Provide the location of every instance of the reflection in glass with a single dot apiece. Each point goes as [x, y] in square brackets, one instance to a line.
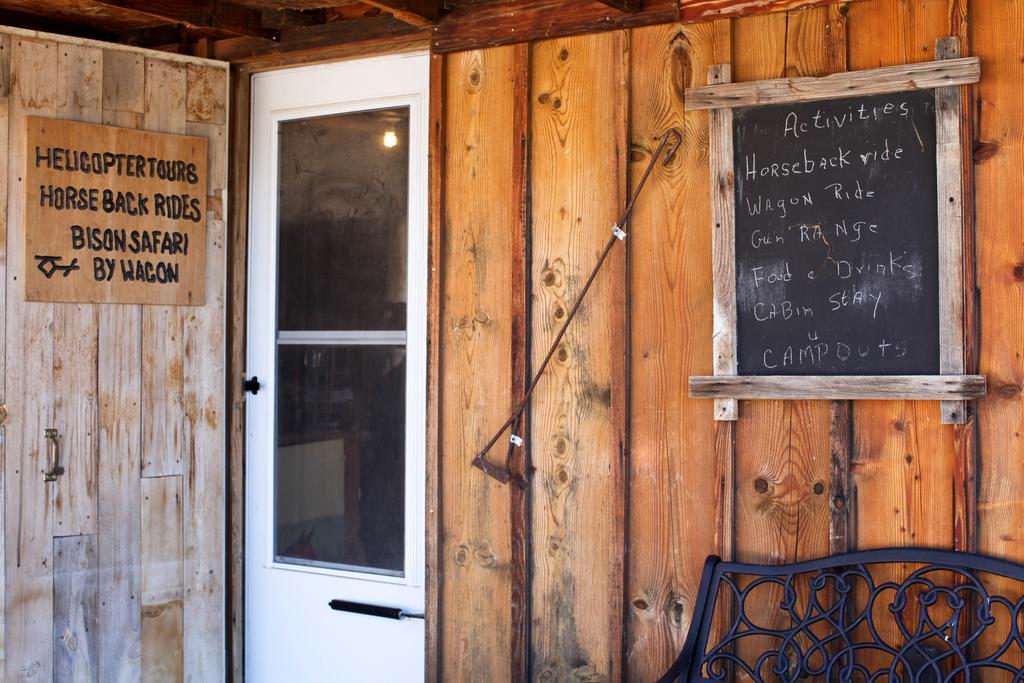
[342, 215]
[341, 456]
[342, 236]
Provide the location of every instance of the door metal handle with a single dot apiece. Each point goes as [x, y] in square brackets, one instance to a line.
[53, 467]
[371, 610]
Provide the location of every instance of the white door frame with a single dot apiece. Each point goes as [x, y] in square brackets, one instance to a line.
[355, 85]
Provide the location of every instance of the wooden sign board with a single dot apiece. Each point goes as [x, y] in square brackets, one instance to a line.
[838, 236]
[113, 215]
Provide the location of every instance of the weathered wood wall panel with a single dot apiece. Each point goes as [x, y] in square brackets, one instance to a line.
[673, 512]
[476, 534]
[29, 528]
[87, 557]
[1000, 265]
[579, 90]
[809, 478]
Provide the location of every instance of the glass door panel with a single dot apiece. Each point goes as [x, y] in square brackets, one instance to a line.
[339, 484]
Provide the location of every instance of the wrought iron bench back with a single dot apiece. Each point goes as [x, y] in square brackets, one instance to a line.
[839, 619]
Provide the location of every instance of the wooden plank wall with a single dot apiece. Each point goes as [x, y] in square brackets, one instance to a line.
[632, 483]
[115, 571]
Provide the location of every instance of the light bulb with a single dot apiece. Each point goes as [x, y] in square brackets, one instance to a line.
[390, 138]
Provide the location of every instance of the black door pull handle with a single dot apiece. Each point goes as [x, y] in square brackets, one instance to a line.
[371, 610]
[251, 385]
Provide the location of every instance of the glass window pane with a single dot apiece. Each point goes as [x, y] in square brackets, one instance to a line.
[342, 221]
[340, 460]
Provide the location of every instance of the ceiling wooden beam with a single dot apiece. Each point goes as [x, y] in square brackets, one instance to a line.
[627, 6]
[321, 38]
[196, 14]
[707, 10]
[35, 22]
[418, 13]
[478, 25]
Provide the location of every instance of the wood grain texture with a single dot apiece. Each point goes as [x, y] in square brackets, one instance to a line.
[118, 493]
[947, 73]
[478, 207]
[75, 595]
[578, 428]
[671, 506]
[4, 112]
[120, 436]
[163, 380]
[519, 460]
[236, 274]
[435, 338]
[73, 601]
[1000, 271]
[868, 387]
[204, 491]
[471, 26]
[76, 329]
[29, 513]
[949, 190]
[162, 581]
[723, 243]
[700, 10]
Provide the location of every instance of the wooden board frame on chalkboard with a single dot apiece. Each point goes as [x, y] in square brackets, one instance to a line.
[946, 76]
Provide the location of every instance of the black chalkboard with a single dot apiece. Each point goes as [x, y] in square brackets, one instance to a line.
[836, 237]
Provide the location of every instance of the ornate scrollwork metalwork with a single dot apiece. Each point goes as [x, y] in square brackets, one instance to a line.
[903, 615]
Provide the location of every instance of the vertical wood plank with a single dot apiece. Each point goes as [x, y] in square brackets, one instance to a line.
[204, 353]
[164, 422]
[841, 443]
[79, 92]
[723, 242]
[120, 427]
[119, 493]
[578, 428]
[435, 337]
[476, 324]
[949, 177]
[519, 496]
[4, 116]
[162, 581]
[28, 518]
[75, 624]
[673, 502]
[1000, 268]
[237, 254]
[120, 422]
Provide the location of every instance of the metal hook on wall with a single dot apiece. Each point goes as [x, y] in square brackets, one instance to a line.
[671, 140]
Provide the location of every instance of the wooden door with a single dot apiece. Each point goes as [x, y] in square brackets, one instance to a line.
[337, 317]
[115, 571]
